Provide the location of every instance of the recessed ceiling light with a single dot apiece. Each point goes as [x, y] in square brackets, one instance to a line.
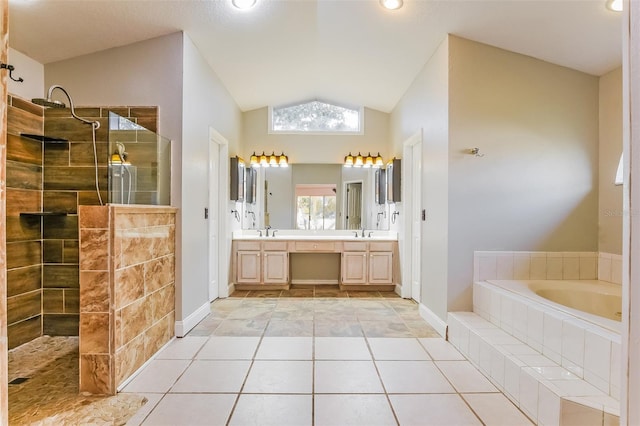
[243, 4]
[615, 5]
[391, 4]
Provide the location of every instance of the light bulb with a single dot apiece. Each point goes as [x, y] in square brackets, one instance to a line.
[391, 4]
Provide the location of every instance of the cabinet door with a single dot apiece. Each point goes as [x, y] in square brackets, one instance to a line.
[354, 267]
[275, 267]
[248, 267]
[380, 267]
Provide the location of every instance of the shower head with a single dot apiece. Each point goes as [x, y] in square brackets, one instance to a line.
[48, 103]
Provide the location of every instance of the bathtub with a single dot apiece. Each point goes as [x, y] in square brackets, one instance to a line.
[597, 302]
[575, 323]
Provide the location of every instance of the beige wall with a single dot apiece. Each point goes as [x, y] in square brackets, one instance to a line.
[206, 104]
[315, 148]
[536, 188]
[425, 106]
[610, 148]
[169, 72]
[31, 71]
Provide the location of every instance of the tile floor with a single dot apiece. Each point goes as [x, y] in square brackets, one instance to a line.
[338, 360]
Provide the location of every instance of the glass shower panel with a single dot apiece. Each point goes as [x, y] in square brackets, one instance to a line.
[139, 164]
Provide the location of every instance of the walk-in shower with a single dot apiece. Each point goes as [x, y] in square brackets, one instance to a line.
[49, 102]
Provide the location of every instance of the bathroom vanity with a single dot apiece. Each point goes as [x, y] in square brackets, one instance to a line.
[362, 263]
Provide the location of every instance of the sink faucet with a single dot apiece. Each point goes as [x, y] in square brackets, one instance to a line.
[273, 233]
[362, 232]
[355, 233]
[266, 228]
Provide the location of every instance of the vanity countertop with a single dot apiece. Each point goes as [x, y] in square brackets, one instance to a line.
[303, 235]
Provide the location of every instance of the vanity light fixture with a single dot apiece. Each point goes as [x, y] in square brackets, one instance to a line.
[614, 5]
[368, 161]
[283, 160]
[243, 4]
[377, 162]
[348, 160]
[273, 160]
[391, 4]
[359, 161]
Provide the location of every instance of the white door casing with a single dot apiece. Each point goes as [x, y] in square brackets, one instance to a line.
[218, 193]
[412, 199]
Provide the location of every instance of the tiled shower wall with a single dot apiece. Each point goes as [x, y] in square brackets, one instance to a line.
[69, 181]
[24, 239]
[127, 287]
[42, 253]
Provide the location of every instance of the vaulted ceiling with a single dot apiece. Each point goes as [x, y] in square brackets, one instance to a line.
[349, 51]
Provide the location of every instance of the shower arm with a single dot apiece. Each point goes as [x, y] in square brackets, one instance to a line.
[72, 108]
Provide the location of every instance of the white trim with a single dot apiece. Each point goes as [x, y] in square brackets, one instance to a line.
[232, 288]
[398, 290]
[143, 366]
[183, 327]
[409, 205]
[433, 320]
[224, 235]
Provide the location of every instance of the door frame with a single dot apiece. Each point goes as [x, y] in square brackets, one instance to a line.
[411, 185]
[219, 186]
[345, 202]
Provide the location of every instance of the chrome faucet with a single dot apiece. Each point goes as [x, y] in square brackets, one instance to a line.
[266, 228]
[362, 232]
[355, 234]
[273, 233]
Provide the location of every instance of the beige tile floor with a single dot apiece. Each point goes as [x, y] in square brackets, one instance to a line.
[339, 360]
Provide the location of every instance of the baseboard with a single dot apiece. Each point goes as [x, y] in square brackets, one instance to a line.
[398, 290]
[433, 320]
[230, 290]
[183, 327]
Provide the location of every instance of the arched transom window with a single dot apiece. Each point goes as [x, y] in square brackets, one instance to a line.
[315, 117]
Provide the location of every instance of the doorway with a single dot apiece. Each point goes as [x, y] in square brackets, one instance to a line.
[353, 205]
[218, 184]
[412, 197]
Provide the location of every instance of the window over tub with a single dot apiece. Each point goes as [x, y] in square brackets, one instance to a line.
[316, 117]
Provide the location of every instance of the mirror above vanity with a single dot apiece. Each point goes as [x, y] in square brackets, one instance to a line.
[315, 197]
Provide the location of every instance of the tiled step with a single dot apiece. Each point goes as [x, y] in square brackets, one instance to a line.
[547, 392]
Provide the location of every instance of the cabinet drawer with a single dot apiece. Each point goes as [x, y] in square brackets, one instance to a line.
[355, 246]
[248, 245]
[381, 246]
[315, 246]
[274, 246]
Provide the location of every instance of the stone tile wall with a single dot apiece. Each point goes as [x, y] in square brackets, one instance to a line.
[127, 291]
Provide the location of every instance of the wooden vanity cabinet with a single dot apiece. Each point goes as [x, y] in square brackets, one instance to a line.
[262, 262]
[367, 263]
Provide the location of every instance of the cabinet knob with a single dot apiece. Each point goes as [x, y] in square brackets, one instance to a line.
[315, 246]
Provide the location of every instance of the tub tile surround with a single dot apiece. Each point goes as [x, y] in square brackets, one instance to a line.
[127, 291]
[559, 369]
[539, 265]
